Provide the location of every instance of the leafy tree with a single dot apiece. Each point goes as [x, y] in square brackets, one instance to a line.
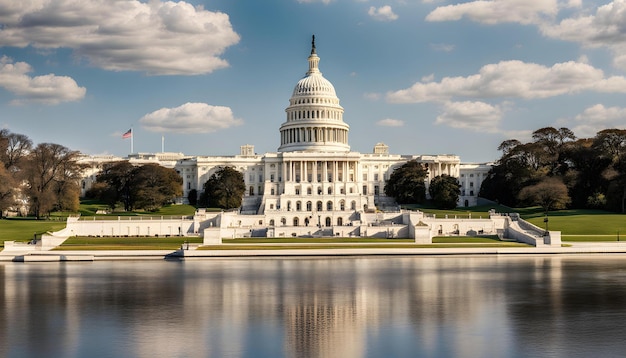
[193, 197]
[225, 189]
[550, 194]
[406, 183]
[117, 178]
[444, 191]
[147, 187]
[155, 186]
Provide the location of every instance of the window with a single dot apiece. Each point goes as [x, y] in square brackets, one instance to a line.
[330, 190]
[298, 191]
[329, 206]
[376, 190]
[298, 206]
[364, 189]
[309, 191]
[272, 178]
[353, 205]
[309, 206]
[319, 206]
[339, 221]
[251, 190]
[342, 205]
[289, 206]
[295, 221]
[376, 177]
[272, 191]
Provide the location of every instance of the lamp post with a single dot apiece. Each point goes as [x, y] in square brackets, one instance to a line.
[545, 220]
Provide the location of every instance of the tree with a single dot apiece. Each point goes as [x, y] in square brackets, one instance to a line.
[444, 191]
[154, 186]
[406, 183]
[225, 189]
[550, 194]
[7, 190]
[117, 178]
[193, 197]
[147, 187]
[48, 169]
[14, 148]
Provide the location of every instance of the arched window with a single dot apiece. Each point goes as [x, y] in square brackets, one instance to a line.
[283, 221]
[339, 221]
[319, 206]
[298, 206]
[330, 190]
[328, 222]
[353, 205]
[342, 205]
[272, 222]
[306, 221]
[319, 190]
[289, 206]
[309, 191]
[251, 190]
[309, 206]
[329, 206]
[295, 221]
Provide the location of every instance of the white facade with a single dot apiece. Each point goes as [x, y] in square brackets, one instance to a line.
[314, 177]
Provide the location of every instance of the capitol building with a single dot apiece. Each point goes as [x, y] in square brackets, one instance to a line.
[313, 179]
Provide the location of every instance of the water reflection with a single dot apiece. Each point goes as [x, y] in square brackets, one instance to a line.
[345, 307]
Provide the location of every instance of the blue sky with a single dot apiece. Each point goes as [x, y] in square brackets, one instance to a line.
[422, 76]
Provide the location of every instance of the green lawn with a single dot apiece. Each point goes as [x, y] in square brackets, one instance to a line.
[23, 229]
[127, 243]
[583, 222]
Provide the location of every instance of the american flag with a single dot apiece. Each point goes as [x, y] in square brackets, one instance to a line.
[128, 134]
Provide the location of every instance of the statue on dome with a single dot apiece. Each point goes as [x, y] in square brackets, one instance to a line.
[313, 45]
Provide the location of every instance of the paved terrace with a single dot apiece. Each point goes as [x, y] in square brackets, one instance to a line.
[291, 250]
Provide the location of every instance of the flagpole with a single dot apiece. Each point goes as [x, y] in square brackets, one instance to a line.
[162, 144]
[132, 139]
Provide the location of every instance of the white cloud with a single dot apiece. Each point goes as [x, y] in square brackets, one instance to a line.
[160, 38]
[605, 28]
[383, 13]
[389, 122]
[48, 89]
[428, 78]
[190, 118]
[514, 79]
[475, 116]
[598, 117]
[501, 11]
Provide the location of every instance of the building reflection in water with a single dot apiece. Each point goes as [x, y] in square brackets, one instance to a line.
[344, 307]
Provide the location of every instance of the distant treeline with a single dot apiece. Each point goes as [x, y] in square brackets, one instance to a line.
[558, 170]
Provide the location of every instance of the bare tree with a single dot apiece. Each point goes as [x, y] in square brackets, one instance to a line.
[50, 168]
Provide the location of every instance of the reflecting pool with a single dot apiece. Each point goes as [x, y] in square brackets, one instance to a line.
[549, 306]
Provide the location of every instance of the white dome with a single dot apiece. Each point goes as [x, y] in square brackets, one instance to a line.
[314, 116]
[314, 85]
